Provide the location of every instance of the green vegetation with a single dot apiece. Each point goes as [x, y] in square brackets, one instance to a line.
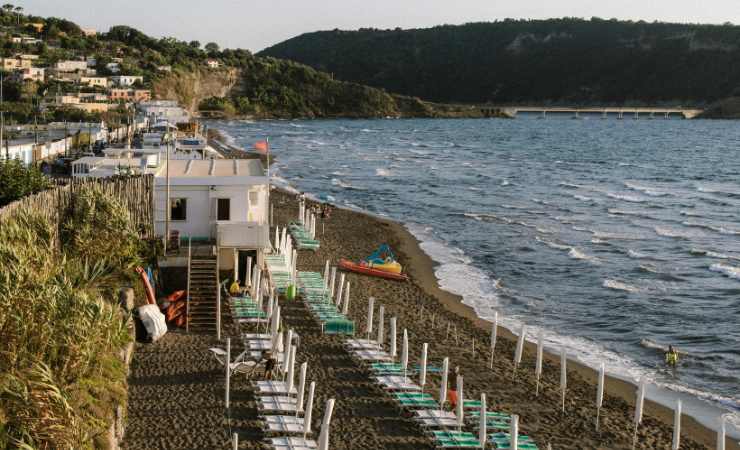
[567, 60]
[18, 181]
[60, 374]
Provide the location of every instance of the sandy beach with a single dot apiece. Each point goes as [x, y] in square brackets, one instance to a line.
[176, 386]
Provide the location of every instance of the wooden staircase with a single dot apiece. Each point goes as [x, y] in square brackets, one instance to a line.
[203, 294]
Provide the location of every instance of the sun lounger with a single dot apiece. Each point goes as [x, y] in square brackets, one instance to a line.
[455, 439]
[371, 355]
[434, 413]
[415, 400]
[437, 422]
[277, 404]
[284, 424]
[362, 344]
[293, 443]
[259, 344]
[274, 388]
[502, 440]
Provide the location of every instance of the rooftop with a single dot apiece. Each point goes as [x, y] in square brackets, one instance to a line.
[213, 172]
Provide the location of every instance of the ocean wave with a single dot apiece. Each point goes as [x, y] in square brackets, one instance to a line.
[573, 252]
[625, 197]
[570, 185]
[619, 286]
[577, 254]
[689, 213]
[646, 189]
[706, 226]
[672, 233]
[616, 236]
[635, 254]
[719, 189]
[382, 172]
[583, 198]
[730, 271]
[623, 212]
[484, 217]
[505, 183]
[345, 185]
[712, 254]
[507, 206]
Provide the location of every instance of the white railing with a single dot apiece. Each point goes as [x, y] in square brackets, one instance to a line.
[218, 297]
[187, 301]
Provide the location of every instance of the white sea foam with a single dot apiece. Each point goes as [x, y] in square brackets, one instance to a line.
[570, 185]
[730, 271]
[712, 254]
[635, 254]
[573, 252]
[620, 286]
[483, 217]
[625, 197]
[382, 172]
[505, 183]
[653, 192]
[672, 233]
[582, 198]
[456, 275]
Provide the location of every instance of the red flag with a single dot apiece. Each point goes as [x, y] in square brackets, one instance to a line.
[261, 147]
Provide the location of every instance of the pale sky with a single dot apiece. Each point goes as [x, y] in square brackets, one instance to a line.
[255, 24]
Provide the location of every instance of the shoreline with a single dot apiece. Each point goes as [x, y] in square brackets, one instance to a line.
[421, 267]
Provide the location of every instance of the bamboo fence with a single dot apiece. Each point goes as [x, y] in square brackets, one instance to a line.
[136, 194]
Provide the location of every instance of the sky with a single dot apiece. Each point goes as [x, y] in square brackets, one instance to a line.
[255, 25]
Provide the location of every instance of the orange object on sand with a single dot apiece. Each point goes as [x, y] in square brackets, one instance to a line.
[452, 397]
[150, 298]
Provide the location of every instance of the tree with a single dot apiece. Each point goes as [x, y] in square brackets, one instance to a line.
[17, 181]
[194, 44]
[212, 47]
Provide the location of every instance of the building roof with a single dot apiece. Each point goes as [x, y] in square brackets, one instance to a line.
[213, 172]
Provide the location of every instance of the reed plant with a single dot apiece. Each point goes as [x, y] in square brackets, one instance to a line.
[60, 327]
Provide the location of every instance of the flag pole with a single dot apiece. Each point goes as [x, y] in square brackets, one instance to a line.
[269, 187]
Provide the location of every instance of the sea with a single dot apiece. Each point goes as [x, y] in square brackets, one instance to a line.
[613, 238]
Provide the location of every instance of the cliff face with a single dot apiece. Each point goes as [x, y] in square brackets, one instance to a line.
[191, 87]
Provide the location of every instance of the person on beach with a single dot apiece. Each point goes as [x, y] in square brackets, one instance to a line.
[234, 289]
[269, 365]
[452, 393]
[671, 356]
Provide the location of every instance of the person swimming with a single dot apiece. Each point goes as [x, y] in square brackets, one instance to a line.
[671, 356]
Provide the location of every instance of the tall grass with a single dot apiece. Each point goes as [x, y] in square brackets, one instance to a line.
[60, 328]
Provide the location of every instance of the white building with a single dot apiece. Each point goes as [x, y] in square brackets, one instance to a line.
[104, 167]
[126, 80]
[163, 111]
[218, 200]
[70, 66]
[113, 67]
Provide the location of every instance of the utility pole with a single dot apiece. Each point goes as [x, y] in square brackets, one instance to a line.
[2, 117]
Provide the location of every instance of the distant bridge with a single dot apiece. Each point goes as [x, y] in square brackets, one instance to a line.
[604, 111]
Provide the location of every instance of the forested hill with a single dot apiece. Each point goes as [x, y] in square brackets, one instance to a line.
[518, 61]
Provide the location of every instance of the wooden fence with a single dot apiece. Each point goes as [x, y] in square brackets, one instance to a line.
[135, 193]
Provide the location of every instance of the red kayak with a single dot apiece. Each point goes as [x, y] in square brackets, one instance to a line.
[359, 268]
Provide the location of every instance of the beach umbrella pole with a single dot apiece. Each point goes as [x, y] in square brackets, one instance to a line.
[494, 335]
[677, 426]
[234, 441]
[228, 369]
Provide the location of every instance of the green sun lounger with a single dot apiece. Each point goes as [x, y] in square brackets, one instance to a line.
[502, 440]
[456, 439]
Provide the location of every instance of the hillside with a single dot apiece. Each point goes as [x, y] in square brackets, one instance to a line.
[518, 61]
[267, 88]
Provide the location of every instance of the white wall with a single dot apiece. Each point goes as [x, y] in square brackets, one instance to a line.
[201, 207]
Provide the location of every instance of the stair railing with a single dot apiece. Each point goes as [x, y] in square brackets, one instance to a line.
[218, 297]
[187, 301]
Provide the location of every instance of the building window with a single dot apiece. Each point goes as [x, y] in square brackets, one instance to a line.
[224, 209]
[178, 209]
